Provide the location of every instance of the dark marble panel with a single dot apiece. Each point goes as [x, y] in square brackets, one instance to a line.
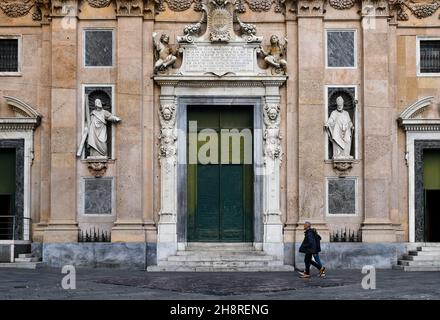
[99, 48]
[342, 196]
[340, 48]
[98, 196]
[419, 147]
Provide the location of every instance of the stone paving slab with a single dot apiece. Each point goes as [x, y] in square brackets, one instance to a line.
[45, 283]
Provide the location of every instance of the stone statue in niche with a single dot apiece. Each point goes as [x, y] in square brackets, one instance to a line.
[163, 53]
[272, 136]
[275, 54]
[96, 131]
[340, 131]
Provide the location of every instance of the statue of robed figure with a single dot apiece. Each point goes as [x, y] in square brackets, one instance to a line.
[340, 131]
[95, 132]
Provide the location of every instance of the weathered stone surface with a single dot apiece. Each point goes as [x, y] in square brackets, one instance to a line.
[98, 196]
[113, 255]
[98, 48]
[341, 196]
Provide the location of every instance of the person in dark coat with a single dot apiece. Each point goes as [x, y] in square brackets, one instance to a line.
[311, 246]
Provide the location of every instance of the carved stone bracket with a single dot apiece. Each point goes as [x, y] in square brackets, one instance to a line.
[130, 7]
[311, 8]
[97, 167]
[272, 136]
[168, 134]
[342, 167]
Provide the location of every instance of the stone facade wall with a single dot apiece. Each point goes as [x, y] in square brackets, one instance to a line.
[53, 76]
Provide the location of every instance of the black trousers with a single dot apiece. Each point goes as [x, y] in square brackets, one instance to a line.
[308, 261]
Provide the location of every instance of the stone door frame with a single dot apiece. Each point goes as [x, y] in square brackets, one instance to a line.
[18, 132]
[420, 134]
[257, 135]
[181, 91]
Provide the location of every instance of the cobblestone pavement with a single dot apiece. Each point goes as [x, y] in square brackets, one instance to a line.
[124, 284]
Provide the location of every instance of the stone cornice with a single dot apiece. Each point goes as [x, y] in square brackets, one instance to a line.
[210, 81]
[18, 124]
[400, 9]
[421, 125]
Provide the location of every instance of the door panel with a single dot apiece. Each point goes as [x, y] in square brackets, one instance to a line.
[220, 195]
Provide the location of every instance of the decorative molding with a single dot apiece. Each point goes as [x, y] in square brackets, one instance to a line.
[16, 9]
[419, 10]
[99, 3]
[408, 121]
[272, 135]
[311, 8]
[22, 108]
[342, 167]
[416, 108]
[130, 7]
[26, 117]
[342, 4]
[98, 168]
[253, 5]
[168, 134]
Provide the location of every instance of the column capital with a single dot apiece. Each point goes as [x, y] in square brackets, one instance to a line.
[310, 8]
[64, 8]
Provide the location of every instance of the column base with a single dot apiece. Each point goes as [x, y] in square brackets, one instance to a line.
[128, 232]
[378, 232]
[59, 232]
[166, 240]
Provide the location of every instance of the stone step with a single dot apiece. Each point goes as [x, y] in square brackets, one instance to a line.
[423, 253]
[220, 252]
[25, 255]
[429, 249]
[221, 257]
[31, 259]
[421, 257]
[430, 244]
[22, 265]
[421, 268]
[419, 263]
[226, 264]
[179, 268]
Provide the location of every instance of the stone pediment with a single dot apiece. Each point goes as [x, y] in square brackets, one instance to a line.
[422, 115]
[26, 117]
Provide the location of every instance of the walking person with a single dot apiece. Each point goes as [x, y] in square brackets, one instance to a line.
[311, 246]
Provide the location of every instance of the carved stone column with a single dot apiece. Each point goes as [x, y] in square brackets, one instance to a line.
[62, 225]
[272, 155]
[167, 227]
[377, 226]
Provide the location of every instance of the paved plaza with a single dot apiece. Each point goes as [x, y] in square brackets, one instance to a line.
[46, 283]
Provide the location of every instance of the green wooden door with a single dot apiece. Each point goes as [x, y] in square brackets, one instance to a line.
[220, 177]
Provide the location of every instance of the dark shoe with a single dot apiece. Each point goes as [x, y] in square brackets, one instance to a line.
[322, 272]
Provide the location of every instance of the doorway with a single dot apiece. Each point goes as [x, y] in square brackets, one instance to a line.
[220, 190]
[7, 192]
[431, 185]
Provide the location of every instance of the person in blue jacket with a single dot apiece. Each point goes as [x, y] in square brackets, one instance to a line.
[311, 246]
